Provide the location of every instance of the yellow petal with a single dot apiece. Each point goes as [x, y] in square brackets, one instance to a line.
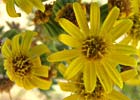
[10, 75]
[25, 5]
[94, 18]
[124, 49]
[81, 18]
[26, 41]
[38, 4]
[129, 74]
[89, 77]
[38, 50]
[7, 64]
[112, 62]
[71, 29]
[74, 67]
[70, 87]
[122, 27]
[70, 41]
[40, 71]
[6, 52]
[124, 60]
[75, 97]
[15, 45]
[27, 84]
[109, 21]
[40, 83]
[135, 42]
[10, 70]
[11, 9]
[114, 95]
[62, 68]
[113, 73]
[36, 61]
[133, 81]
[19, 81]
[126, 40]
[63, 55]
[104, 78]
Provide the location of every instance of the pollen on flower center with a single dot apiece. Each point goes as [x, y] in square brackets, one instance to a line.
[94, 47]
[135, 30]
[98, 93]
[123, 5]
[120, 4]
[21, 65]
[68, 13]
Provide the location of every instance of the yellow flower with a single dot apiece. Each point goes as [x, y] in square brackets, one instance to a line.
[127, 7]
[25, 5]
[133, 36]
[22, 63]
[94, 51]
[77, 88]
[139, 3]
[97, 94]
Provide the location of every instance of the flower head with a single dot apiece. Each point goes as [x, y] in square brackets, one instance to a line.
[94, 51]
[22, 63]
[127, 7]
[133, 35]
[77, 88]
[25, 5]
[66, 12]
[43, 17]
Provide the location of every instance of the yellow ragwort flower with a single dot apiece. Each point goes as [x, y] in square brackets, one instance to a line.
[77, 88]
[133, 35]
[23, 64]
[93, 48]
[127, 7]
[25, 5]
[97, 94]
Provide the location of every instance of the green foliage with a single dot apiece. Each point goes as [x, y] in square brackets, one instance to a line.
[53, 29]
[10, 33]
[132, 92]
[61, 3]
[2, 71]
[104, 12]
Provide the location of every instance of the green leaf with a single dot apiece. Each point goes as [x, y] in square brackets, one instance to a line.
[9, 34]
[104, 12]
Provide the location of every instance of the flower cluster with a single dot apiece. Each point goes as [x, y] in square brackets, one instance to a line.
[94, 56]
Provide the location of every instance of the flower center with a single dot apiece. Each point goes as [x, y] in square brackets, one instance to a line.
[123, 5]
[120, 4]
[68, 13]
[21, 65]
[43, 17]
[135, 30]
[94, 47]
[98, 93]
